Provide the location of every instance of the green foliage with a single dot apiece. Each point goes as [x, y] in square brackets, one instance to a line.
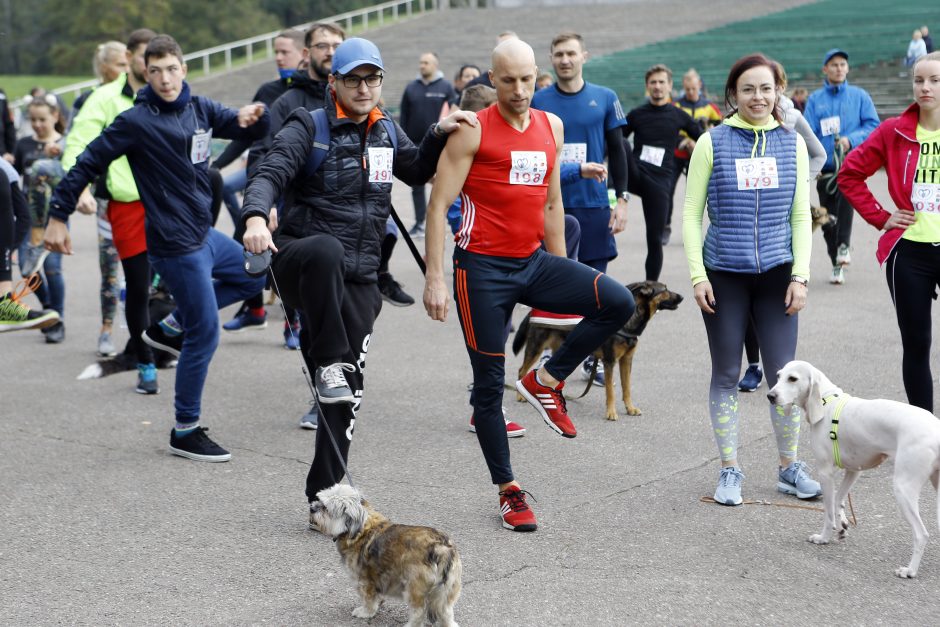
[17, 86]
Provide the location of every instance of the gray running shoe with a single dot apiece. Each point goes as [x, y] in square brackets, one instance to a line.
[331, 384]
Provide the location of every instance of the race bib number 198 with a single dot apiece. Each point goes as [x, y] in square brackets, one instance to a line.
[528, 167]
[380, 165]
[759, 173]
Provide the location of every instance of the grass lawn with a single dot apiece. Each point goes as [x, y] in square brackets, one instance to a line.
[18, 85]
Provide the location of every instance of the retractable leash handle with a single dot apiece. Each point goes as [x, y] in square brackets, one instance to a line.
[261, 263]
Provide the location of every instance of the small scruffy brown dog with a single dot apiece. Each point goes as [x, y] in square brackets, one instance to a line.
[419, 565]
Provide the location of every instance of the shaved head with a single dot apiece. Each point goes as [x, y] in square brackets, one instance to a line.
[513, 75]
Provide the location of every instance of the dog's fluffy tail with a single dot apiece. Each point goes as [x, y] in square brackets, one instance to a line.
[105, 367]
[518, 341]
[443, 596]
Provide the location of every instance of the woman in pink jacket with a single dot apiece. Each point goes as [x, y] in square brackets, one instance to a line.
[908, 147]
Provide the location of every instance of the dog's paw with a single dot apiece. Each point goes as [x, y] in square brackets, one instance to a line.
[612, 416]
[818, 538]
[94, 371]
[905, 572]
[363, 612]
[633, 410]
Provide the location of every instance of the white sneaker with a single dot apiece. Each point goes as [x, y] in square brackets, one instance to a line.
[838, 276]
[843, 256]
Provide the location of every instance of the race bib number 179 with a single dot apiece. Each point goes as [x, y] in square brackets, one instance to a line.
[528, 167]
[759, 173]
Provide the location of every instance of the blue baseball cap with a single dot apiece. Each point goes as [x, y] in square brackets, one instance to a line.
[355, 52]
[835, 52]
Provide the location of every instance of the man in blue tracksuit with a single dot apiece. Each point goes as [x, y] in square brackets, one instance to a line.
[166, 138]
[842, 116]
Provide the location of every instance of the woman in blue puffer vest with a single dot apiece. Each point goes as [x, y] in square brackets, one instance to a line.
[753, 176]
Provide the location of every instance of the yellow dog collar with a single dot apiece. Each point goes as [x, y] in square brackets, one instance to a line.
[841, 400]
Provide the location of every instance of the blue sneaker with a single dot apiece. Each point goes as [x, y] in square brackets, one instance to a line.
[292, 336]
[751, 379]
[147, 379]
[586, 371]
[728, 491]
[795, 480]
[244, 321]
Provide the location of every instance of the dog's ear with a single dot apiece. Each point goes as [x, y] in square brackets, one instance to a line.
[356, 518]
[814, 403]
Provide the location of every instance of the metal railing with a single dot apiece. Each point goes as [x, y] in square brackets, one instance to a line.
[353, 21]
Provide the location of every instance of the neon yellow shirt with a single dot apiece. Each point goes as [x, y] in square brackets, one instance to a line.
[925, 194]
[696, 195]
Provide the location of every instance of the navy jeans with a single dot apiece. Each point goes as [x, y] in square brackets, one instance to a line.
[51, 292]
[202, 282]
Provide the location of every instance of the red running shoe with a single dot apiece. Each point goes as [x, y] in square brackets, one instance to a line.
[515, 511]
[549, 402]
[513, 430]
[547, 318]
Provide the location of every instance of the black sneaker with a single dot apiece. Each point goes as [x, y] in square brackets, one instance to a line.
[156, 337]
[332, 386]
[197, 445]
[392, 292]
[55, 334]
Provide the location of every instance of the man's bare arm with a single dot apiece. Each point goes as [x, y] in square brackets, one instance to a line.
[554, 207]
[452, 170]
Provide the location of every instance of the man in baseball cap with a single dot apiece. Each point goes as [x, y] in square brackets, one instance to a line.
[835, 52]
[354, 53]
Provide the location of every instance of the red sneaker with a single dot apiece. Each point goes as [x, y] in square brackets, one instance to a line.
[549, 402]
[540, 316]
[515, 511]
[513, 430]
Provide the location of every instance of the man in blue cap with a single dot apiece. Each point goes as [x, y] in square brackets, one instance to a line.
[842, 116]
[328, 244]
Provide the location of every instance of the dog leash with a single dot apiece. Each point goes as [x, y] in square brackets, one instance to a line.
[411, 245]
[708, 499]
[313, 392]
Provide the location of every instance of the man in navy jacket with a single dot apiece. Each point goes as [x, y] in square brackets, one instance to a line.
[166, 138]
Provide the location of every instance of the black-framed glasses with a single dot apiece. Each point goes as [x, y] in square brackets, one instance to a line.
[352, 81]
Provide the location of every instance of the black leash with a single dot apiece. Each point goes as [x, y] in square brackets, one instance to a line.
[313, 392]
[409, 241]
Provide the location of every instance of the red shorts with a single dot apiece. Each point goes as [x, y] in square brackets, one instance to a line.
[127, 227]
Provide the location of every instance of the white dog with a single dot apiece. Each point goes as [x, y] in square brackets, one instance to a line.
[863, 434]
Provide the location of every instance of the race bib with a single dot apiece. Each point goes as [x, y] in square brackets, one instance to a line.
[574, 153]
[653, 155]
[528, 167]
[926, 197]
[759, 173]
[380, 164]
[200, 149]
[830, 126]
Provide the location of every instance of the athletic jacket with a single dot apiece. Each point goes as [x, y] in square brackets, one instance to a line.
[167, 146]
[893, 146]
[338, 199]
[854, 108]
[421, 104]
[303, 92]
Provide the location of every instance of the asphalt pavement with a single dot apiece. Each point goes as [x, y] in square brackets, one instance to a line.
[99, 524]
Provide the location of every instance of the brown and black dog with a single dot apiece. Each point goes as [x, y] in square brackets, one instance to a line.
[650, 297]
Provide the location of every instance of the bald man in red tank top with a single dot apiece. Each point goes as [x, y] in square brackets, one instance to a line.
[505, 171]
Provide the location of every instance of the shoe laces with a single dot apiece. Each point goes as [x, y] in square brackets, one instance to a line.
[516, 499]
[11, 307]
[731, 477]
[333, 376]
[798, 470]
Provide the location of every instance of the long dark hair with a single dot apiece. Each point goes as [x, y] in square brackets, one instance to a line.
[741, 66]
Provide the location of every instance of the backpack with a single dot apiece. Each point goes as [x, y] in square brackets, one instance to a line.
[321, 140]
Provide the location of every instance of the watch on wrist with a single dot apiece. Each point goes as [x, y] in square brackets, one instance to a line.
[625, 196]
[437, 130]
[800, 280]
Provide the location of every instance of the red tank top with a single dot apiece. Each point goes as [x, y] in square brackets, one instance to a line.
[503, 199]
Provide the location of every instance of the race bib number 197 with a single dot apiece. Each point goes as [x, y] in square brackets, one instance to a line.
[528, 167]
[380, 165]
[759, 173]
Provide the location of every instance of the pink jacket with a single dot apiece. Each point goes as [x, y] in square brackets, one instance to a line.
[894, 146]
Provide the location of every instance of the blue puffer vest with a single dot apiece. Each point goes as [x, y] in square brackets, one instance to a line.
[749, 231]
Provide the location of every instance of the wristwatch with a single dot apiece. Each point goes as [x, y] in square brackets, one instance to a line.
[800, 280]
[437, 130]
[625, 196]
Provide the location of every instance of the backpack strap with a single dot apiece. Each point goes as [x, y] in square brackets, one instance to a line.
[321, 141]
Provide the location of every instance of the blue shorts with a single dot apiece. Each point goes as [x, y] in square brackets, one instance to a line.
[597, 241]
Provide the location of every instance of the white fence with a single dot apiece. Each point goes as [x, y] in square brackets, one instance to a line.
[219, 58]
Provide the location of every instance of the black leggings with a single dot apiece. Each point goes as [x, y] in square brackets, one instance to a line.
[338, 320]
[137, 304]
[655, 191]
[839, 232]
[913, 273]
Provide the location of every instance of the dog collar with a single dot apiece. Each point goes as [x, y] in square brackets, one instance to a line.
[840, 401]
